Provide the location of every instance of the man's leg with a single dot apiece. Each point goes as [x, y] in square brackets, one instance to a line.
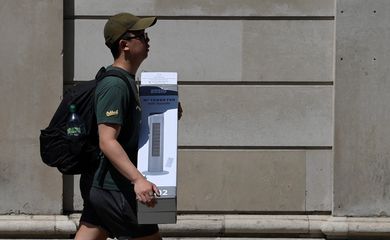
[88, 231]
[155, 236]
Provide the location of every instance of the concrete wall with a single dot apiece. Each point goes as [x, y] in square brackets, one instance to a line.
[256, 84]
[30, 87]
[362, 136]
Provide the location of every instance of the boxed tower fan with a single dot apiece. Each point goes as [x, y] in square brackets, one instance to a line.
[157, 151]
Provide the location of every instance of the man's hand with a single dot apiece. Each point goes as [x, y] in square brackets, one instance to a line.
[179, 111]
[146, 192]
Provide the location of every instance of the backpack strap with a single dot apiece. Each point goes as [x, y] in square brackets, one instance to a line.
[116, 73]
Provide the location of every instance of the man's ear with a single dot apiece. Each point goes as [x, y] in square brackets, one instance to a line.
[123, 44]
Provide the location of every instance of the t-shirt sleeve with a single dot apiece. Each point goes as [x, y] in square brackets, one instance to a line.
[111, 104]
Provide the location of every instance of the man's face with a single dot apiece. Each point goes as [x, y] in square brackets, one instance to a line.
[138, 43]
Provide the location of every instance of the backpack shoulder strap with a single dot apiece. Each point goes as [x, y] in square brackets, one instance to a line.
[115, 73]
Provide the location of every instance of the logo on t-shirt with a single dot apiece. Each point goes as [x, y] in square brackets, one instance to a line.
[112, 113]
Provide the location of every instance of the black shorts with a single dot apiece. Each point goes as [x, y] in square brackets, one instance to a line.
[118, 214]
[89, 214]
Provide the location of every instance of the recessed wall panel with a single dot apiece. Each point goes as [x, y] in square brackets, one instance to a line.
[256, 116]
[223, 180]
[288, 51]
[219, 51]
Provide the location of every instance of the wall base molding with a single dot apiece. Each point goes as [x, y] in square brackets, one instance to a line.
[215, 226]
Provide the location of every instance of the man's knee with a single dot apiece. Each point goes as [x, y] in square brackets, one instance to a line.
[88, 231]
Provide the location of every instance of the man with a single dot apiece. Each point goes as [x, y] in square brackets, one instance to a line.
[110, 208]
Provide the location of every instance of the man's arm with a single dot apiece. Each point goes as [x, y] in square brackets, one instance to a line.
[108, 134]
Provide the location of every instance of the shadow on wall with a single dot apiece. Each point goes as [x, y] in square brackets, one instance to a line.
[68, 76]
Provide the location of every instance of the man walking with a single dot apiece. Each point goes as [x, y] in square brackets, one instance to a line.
[110, 205]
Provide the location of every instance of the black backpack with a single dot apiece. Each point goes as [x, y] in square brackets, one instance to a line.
[81, 156]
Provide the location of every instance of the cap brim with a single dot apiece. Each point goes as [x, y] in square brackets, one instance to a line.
[144, 23]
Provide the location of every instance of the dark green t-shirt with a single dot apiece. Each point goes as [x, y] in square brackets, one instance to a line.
[115, 104]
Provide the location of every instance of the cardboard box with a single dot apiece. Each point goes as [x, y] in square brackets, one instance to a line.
[157, 151]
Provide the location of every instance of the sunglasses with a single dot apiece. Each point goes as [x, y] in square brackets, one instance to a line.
[141, 36]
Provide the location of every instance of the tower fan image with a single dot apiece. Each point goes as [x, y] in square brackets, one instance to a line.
[156, 145]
